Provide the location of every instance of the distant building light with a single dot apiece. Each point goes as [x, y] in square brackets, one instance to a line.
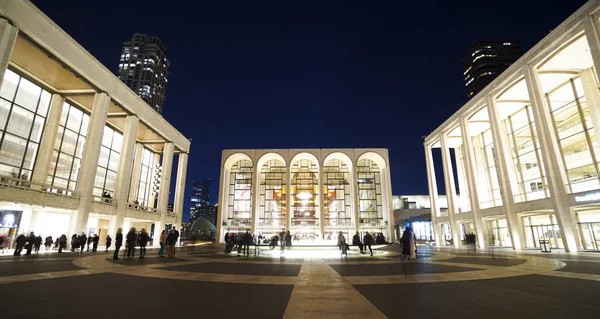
[506, 43]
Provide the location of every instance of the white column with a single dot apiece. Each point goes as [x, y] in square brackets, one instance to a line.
[254, 200]
[355, 203]
[551, 153]
[433, 196]
[8, 36]
[136, 171]
[463, 195]
[502, 149]
[165, 185]
[469, 159]
[222, 208]
[124, 173]
[44, 155]
[89, 163]
[320, 202]
[180, 188]
[288, 202]
[450, 190]
[592, 95]
[593, 39]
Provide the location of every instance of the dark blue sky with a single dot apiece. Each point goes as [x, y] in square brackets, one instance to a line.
[258, 74]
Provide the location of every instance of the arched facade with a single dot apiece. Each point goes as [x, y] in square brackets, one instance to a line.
[313, 193]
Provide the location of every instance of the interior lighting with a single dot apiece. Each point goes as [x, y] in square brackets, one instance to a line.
[304, 196]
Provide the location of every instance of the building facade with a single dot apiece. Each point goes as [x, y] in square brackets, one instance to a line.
[78, 148]
[526, 149]
[144, 68]
[313, 193]
[200, 197]
[415, 211]
[485, 60]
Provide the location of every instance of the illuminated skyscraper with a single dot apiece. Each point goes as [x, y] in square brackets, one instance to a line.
[144, 68]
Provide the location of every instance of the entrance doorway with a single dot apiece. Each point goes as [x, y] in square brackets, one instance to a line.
[546, 232]
[591, 235]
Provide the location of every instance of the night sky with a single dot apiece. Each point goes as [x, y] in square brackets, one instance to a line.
[326, 74]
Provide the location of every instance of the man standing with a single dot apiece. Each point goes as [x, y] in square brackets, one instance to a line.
[108, 242]
[368, 241]
[95, 241]
[21, 240]
[144, 238]
[356, 242]
[118, 243]
[30, 242]
[131, 237]
[82, 240]
[172, 241]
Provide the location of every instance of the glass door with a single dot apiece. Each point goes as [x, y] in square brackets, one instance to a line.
[591, 235]
[550, 233]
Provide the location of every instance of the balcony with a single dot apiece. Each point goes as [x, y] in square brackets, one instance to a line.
[25, 185]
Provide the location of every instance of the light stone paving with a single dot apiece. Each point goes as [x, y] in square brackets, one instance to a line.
[318, 289]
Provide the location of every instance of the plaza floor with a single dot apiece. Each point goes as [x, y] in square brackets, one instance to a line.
[205, 282]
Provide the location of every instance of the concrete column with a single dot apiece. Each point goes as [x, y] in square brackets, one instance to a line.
[355, 204]
[288, 201]
[222, 208]
[463, 195]
[433, 196]
[450, 191]
[321, 210]
[180, 188]
[8, 36]
[136, 171]
[89, 163]
[124, 172]
[254, 197]
[469, 159]
[165, 185]
[44, 155]
[593, 39]
[388, 211]
[551, 153]
[592, 95]
[502, 151]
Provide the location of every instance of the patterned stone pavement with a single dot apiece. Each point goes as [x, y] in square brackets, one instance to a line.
[303, 284]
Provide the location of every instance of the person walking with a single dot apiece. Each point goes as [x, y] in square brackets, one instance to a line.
[48, 242]
[62, 243]
[172, 241]
[118, 243]
[82, 240]
[144, 238]
[30, 243]
[74, 242]
[368, 241]
[413, 244]
[406, 246]
[37, 244]
[21, 240]
[131, 237]
[356, 242]
[247, 242]
[341, 242]
[95, 241]
[89, 241]
[108, 242]
[56, 243]
[163, 244]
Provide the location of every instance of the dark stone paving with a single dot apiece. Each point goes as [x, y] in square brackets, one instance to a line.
[581, 267]
[212, 256]
[43, 256]
[122, 296]
[407, 268]
[145, 261]
[419, 256]
[530, 296]
[498, 262]
[33, 267]
[240, 269]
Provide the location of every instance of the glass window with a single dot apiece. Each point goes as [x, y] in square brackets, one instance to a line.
[23, 107]
[109, 161]
[272, 204]
[304, 193]
[143, 191]
[336, 194]
[240, 189]
[68, 148]
[369, 193]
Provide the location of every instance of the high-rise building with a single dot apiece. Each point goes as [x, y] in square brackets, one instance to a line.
[486, 59]
[144, 68]
[200, 197]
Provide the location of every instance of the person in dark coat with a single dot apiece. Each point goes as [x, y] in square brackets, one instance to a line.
[356, 242]
[62, 243]
[172, 241]
[118, 243]
[74, 242]
[247, 242]
[368, 241]
[288, 239]
[108, 242]
[82, 240]
[95, 241]
[144, 238]
[37, 244]
[21, 240]
[30, 243]
[89, 241]
[405, 240]
[48, 242]
[131, 237]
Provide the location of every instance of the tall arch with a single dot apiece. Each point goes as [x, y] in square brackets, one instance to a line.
[374, 194]
[338, 195]
[271, 207]
[236, 192]
[305, 212]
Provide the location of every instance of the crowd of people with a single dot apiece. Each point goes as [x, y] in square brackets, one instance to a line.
[133, 239]
[32, 243]
[409, 247]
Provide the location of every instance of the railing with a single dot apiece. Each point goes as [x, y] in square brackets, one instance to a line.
[142, 208]
[103, 200]
[172, 214]
[43, 188]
